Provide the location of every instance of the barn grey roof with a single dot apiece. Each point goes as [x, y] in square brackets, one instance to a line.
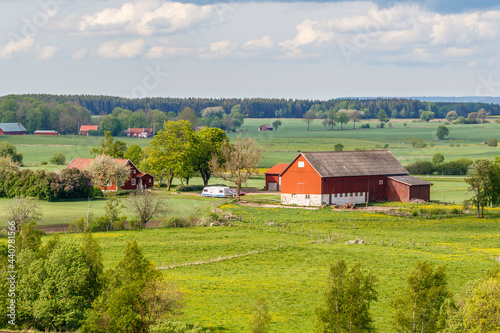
[354, 163]
[12, 127]
[410, 180]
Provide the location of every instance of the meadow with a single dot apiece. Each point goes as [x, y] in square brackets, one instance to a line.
[288, 262]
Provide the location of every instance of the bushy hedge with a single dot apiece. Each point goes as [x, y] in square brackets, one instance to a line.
[49, 186]
[452, 168]
[189, 188]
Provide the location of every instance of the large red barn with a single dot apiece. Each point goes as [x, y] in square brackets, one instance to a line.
[12, 129]
[136, 181]
[317, 178]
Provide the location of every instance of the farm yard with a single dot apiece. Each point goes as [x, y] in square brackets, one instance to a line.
[283, 254]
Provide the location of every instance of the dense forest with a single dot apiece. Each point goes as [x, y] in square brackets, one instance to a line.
[66, 112]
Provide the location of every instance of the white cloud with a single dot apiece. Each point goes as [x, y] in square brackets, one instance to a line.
[264, 43]
[79, 54]
[13, 47]
[116, 50]
[220, 50]
[309, 32]
[48, 52]
[163, 52]
[146, 18]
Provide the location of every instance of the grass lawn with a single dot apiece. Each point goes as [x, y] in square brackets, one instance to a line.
[62, 212]
[289, 264]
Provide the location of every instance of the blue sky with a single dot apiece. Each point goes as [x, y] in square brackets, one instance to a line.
[291, 49]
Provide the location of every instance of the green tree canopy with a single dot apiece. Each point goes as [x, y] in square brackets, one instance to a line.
[276, 124]
[347, 300]
[109, 147]
[112, 124]
[7, 149]
[427, 116]
[418, 305]
[442, 132]
[134, 153]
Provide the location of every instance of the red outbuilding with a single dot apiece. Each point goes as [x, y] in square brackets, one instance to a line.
[273, 180]
[12, 129]
[317, 178]
[265, 128]
[140, 132]
[136, 181]
[45, 132]
[84, 129]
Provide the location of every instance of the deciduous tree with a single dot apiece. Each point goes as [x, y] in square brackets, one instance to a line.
[110, 147]
[276, 124]
[106, 170]
[237, 162]
[347, 300]
[484, 185]
[171, 150]
[146, 206]
[7, 149]
[208, 142]
[309, 117]
[418, 305]
[442, 132]
[342, 118]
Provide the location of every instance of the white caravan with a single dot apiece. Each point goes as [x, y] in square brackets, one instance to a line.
[217, 191]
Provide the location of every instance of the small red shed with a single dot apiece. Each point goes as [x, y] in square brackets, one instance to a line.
[136, 181]
[317, 178]
[265, 128]
[84, 129]
[46, 132]
[273, 181]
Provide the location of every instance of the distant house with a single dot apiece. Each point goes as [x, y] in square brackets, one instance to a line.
[273, 180]
[84, 129]
[317, 178]
[48, 132]
[12, 129]
[140, 132]
[137, 179]
[198, 128]
[266, 128]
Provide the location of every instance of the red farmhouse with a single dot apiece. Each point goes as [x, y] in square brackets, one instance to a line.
[140, 132]
[84, 129]
[349, 177]
[136, 181]
[12, 129]
[273, 180]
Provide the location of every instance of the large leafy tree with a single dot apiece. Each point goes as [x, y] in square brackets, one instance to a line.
[105, 170]
[347, 301]
[484, 185]
[110, 147]
[208, 142]
[134, 153]
[442, 132]
[382, 117]
[342, 118]
[418, 305]
[112, 124]
[309, 117]
[170, 150]
[237, 162]
[189, 115]
[135, 297]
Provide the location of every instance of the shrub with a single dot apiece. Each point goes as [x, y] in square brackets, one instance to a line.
[135, 223]
[339, 147]
[43, 163]
[420, 168]
[365, 126]
[492, 142]
[457, 167]
[97, 192]
[173, 326]
[189, 188]
[77, 225]
[180, 222]
[57, 159]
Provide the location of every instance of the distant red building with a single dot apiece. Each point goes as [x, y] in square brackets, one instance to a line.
[48, 132]
[140, 132]
[136, 181]
[317, 178]
[12, 129]
[84, 129]
[265, 128]
[273, 181]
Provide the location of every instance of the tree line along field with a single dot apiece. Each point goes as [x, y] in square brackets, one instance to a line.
[288, 264]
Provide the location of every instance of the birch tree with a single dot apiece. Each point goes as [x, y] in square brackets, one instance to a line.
[105, 171]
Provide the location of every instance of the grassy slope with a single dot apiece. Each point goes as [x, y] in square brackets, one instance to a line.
[220, 295]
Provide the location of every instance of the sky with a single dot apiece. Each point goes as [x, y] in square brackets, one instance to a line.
[269, 49]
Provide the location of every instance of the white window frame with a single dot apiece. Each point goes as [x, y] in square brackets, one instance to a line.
[132, 182]
[300, 164]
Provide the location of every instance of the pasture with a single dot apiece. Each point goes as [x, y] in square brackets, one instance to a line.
[288, 262]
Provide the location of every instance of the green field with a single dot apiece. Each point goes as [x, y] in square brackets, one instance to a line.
[289, 265]
[292, 137]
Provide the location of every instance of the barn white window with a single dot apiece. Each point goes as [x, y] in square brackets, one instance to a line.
[301, 164]
[294, 195]
[308, 196]
[133, 182]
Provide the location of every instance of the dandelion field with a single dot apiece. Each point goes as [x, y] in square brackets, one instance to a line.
[224, 270]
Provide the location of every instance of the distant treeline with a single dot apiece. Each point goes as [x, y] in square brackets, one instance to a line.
[270, 108]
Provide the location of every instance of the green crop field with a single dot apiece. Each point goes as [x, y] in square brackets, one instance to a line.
[288, 264]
